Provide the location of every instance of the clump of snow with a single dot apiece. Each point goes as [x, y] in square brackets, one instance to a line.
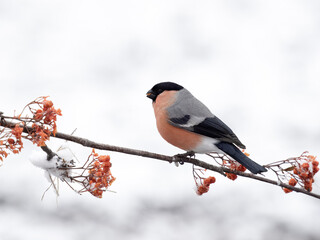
[39, 159]
[58, 166]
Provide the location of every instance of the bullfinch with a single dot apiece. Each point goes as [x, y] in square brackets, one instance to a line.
[187, 123]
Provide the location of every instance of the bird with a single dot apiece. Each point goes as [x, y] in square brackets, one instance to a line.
[185, 122]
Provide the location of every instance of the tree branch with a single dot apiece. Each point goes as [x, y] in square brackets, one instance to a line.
[49, 152]
[88, 143]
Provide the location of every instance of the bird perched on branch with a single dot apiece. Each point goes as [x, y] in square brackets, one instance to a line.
[187, 123]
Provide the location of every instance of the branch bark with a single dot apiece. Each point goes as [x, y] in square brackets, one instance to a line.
[88, 143]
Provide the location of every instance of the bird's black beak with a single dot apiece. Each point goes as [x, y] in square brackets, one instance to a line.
[152, 95]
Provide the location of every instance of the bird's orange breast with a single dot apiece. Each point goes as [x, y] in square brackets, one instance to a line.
[178, 137]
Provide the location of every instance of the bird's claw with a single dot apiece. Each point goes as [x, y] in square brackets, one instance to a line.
[178, 158]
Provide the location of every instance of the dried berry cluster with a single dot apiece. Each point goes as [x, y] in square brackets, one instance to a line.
[205, 184]
[233, 165]
[43, 121]
[202, 183]
[10, 141]
[223, 160]
[227, 162]
[303, 172]
[98, 177]
[37, 128]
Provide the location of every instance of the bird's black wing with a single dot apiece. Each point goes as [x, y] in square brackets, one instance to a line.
[211, 127]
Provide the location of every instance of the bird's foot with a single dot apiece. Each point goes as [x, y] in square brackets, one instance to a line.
[179, 158]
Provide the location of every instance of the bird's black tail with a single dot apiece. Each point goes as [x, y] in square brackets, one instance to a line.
[240, 157]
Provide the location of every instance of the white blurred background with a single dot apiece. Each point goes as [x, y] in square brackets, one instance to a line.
[254, 63]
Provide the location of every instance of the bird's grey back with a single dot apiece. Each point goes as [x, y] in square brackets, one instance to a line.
[187, 104]
[189, 113]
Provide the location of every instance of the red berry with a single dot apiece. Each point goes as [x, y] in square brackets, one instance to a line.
[305, 166]
[202, 189]
[231, 176]
[209, 181]
[292, 182]
[286, 190]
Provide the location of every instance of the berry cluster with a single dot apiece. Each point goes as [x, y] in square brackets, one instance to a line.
[44, 120]
[99, 176]
[37, 128]
[205, 184]
[233, 165]
[303, 172]
[11, 141]
[227, 162]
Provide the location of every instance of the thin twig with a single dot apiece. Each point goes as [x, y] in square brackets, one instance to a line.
[49, 152]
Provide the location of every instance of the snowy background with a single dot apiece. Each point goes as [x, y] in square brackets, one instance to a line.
[254, 63]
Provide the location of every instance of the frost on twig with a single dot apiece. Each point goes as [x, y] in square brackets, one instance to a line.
[297, 170]
[94, 176]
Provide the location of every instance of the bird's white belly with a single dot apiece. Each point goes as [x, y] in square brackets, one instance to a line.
[207, 145]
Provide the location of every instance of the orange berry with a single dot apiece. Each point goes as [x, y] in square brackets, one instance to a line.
[106, 164]
[38, 116]
[58, 112]
[10, 141]
[241, 168]
[209, 180]
[112, 180]
[47, 104]
[99, 180]
[15, 151]
[304, 175]
[286, 190]
[202, 189]
[295, 171]
[292, 182]
[315, 170]
[96, 164]
[308, 186]
[99, 193]
[305, 166]
[315, 163]
[231, 176]
[104, 158]
[310, 175]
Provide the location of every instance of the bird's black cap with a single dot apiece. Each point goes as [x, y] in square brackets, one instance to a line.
[161, 87]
